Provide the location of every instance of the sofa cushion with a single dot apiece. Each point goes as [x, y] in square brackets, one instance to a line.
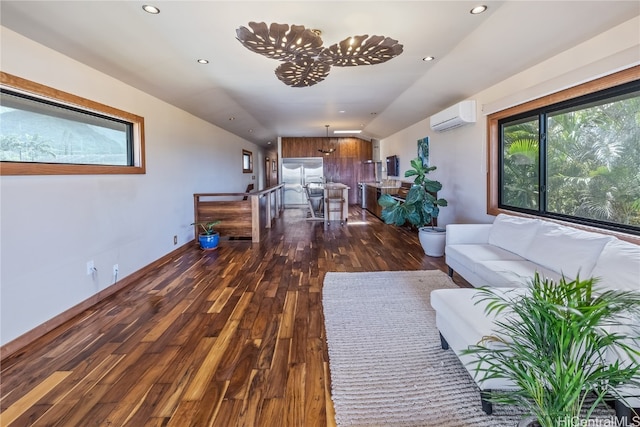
[468, 234]
[510, 273]
[513, 233]
[471, 254]
[618, 266]
[566, 250]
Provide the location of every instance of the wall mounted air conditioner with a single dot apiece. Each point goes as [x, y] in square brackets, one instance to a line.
[455, 116]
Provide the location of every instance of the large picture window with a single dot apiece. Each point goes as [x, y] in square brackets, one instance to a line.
[45, 131]
[577, 159]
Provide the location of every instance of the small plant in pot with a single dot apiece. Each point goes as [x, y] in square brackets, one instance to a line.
[565, 346]
[421, 207]
[209, 238]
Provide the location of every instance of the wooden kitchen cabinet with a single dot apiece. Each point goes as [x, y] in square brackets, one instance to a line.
[373, 194]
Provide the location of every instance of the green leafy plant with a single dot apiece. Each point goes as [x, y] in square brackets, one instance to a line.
[421, 207]
[207, 226]
[552, 342]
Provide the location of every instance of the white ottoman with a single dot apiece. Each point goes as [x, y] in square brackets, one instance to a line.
[462, 323]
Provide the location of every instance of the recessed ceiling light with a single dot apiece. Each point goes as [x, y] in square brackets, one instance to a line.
[478, 9]
[151, 9]
[203, 61]
[428, 58]
[346, 131]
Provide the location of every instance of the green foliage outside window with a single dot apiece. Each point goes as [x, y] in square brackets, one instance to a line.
[521, 165]
[592, 163]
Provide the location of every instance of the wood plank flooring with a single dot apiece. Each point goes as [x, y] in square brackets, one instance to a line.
[233, 337]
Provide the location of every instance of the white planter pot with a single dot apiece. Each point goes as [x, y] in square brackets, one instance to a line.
[432, 240]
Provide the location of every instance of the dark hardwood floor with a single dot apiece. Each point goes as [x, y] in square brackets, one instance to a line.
[233, 337]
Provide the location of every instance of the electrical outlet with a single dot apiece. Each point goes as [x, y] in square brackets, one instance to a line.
[175, 240]
[115, 270]
[90, 268]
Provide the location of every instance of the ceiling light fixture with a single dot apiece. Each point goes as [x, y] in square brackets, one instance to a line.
[203, 61]
[306, 61]
[478, 9]
[329, 150]
[150, 9]
[428, 58]
[346, 131]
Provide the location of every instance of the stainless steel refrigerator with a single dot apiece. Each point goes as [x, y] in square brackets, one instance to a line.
[296, 173]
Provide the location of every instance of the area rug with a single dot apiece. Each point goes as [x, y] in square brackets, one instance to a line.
[387, 366]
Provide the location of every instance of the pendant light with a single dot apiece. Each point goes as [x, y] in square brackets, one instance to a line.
[330, 150]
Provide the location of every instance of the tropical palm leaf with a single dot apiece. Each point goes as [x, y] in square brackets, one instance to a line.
[554, 341]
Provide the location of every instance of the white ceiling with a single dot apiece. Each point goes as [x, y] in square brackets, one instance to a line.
[158, 53]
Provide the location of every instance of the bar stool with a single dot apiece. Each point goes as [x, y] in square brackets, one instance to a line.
[334, 202]
[315, 194]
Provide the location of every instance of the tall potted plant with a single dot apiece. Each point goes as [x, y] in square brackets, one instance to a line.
[209, 238]
[555, 343]
[421, 207]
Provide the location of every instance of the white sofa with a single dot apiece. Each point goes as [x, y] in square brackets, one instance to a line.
[507, 254]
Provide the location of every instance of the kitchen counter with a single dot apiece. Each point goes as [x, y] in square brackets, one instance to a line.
[371, 192]
[335, 185]
[381, 185]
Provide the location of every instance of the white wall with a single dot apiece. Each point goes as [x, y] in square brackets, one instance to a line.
[52, 225]
[461, 155]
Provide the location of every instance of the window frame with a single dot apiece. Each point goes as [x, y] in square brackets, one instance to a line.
[533, 107]
[247, 161]
[46, 93]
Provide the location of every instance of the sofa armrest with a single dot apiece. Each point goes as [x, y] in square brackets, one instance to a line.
[464, 234]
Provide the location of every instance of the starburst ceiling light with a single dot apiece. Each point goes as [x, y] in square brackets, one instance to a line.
[306, 61]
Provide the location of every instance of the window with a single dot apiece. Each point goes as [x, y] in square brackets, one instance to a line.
[46, 131]
[247, 161]
[573, 156]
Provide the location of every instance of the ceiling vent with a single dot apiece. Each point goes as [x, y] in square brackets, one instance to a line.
[455, 116]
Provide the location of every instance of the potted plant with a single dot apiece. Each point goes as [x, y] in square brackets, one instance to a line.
[208, 237]
[565, 346]
[420, 208]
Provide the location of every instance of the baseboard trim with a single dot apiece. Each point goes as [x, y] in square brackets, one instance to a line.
[27, 338]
